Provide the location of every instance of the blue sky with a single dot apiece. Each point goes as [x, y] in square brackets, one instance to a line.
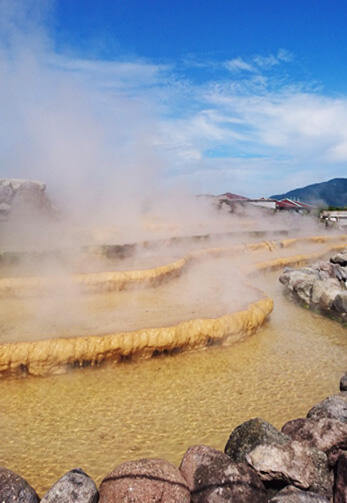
[241, 96]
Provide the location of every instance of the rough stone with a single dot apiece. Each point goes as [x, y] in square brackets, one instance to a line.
[340, 486]
[340, 272]
[144, 481]
[292, 494]
[74, 486]
[343, 383]
[340, 258]
[324, 292]
[213, 478]
[340, 302]
[322, 285]
[6, 191]
[328, 297]
[333, 456]
[301, 284]
[19, 196]
[334, 407]
[325, 434]
[249, 434]
[293, 463]
[14, 488]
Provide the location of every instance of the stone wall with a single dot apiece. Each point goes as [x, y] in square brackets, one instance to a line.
[305, 462]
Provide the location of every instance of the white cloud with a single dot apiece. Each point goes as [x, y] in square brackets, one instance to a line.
[282, 56]
[67, 115]
[238, 64]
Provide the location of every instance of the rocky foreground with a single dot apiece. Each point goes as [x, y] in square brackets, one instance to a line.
[305, 462]
[321, 286]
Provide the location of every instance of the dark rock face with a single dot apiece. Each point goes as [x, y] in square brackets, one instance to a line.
[334, 407]
[144, 481]
[328, 435]
[340, 302]
[293, 463]
[213, 478]
[339, 258]
[291, 494]
[343, 383]
[248, 435]
[14, 488]
[340, 487]
[74, 486]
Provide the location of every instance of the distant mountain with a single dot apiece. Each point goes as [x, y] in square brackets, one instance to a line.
[331, 193]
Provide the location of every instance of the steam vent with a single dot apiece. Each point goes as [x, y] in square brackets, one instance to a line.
[154, 336]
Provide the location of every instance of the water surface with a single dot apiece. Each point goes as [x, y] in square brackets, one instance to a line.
[97, 418]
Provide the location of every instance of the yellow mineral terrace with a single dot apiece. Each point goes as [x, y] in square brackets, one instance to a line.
[56, 355]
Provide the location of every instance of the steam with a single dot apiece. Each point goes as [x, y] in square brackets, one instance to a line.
[98, 150]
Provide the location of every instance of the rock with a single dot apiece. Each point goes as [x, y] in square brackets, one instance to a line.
[291, 494]
[340, 258]
[340, 272]
[325, 270]
[334, 407]
[21, 196]
[144, 481]
[293, 463]
[340, 486]
[324, 292]
[324, 434]
[14, 488]
[290, 275]
[333, 456]
[322, 285]
[301, 284]
[74, 486]
[343, 383]
[340, 302]
[6, 191]
[328, 297]
[249, 434]
[4, 209]
[213, 478]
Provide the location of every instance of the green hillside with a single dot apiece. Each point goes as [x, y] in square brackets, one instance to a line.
[331, 193]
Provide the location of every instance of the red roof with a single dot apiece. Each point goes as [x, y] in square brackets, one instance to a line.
[286, 203]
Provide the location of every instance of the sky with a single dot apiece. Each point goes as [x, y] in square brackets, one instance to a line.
[241, 96]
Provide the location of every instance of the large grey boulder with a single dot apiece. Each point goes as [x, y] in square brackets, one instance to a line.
[14, 488]
[213, 478]
[74, 487]
[144, 481]
[325, 434]
[245, 437]
[334, 407]
[293, 463]
[321, 286]
[292, 494]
